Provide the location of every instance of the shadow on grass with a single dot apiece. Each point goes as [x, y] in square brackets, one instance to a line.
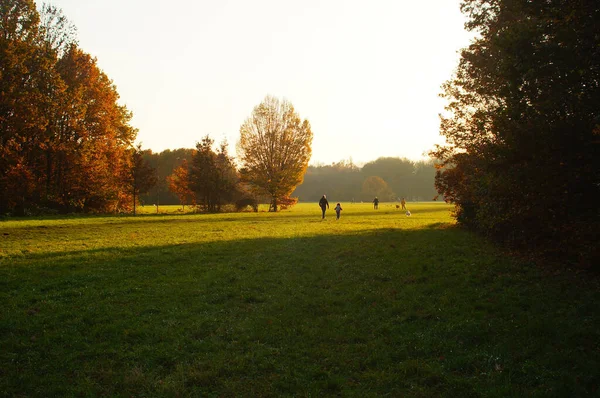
[428, 312]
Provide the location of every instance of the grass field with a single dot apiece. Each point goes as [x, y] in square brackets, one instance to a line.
[284, 304]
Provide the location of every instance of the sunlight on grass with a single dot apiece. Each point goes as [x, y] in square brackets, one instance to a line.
[67, 234]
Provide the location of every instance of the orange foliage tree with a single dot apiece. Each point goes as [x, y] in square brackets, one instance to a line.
[274, 148]
[179, 183]
[64, 139]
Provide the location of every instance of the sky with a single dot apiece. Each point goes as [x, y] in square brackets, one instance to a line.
[366, 74]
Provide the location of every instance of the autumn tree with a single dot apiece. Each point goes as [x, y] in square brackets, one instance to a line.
[92, 139]
[63, 135]
[58, 33]
[274, 148]
[375, 186]
[27, 80]
[522, 161]
[139, 176]
[179, 183]
[165, 163]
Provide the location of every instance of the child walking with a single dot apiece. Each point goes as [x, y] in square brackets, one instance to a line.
[338, 209]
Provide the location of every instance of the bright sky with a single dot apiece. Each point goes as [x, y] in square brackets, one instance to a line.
[366, 74]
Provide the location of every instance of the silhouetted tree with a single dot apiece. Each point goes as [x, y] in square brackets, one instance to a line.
[140, 176]
[212, 175]
[522, 162]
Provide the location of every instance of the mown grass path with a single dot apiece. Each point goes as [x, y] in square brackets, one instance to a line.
[263, 304]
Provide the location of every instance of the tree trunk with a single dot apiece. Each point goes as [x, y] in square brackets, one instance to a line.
[274, 205]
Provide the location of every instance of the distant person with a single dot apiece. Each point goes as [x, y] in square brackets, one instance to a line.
[376, 203]
[338, 210]
[324, 204]
[403, 203]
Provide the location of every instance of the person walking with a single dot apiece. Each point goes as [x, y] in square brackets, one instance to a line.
[338, 210]
[403, 203]
[376, 203]
[323, 203]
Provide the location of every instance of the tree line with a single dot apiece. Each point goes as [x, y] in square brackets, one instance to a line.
[522, 163]
[387, 178]
[66, 144]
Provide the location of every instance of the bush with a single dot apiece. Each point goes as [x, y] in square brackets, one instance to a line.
[243, 203]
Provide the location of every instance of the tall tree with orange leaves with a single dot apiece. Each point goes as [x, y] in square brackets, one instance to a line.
[64, 138]
[274, 148]
[27, 84]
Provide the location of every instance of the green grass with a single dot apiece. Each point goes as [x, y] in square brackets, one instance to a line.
[264, 304]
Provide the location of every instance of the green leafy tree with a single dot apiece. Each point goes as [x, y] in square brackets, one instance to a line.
[522, 125]
[274, 148]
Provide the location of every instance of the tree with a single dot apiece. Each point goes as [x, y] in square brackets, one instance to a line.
[63, 136]
[165, 163]
[141, 176]
[58, 33]
[376, 187]
[522, 163]
[406, 178]
[93, 137]
[344, 180]
[212, 175]
[341, 180]
[26, 81]
[226, 176]
[179, 183]
[274, 148]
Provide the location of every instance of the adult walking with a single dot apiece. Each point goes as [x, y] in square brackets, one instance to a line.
[323, 203]
[376, 203]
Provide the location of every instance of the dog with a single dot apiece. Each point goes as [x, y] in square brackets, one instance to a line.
[407, 213]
